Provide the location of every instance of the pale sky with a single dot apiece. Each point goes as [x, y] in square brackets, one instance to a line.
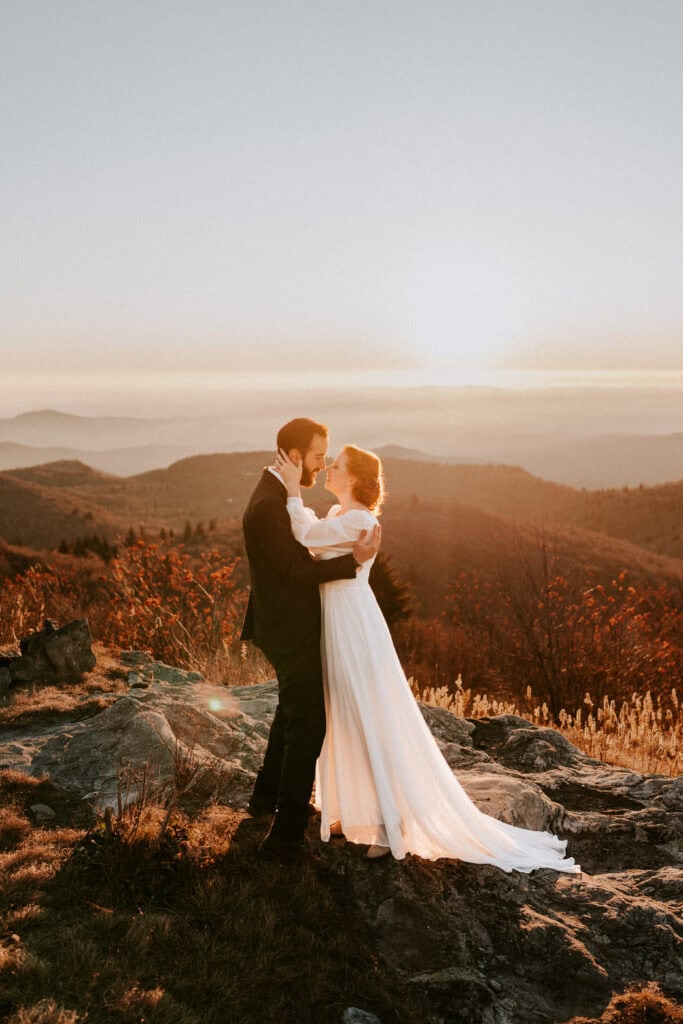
[437, 191]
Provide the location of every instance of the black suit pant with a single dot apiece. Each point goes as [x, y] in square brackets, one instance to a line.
[296, 736]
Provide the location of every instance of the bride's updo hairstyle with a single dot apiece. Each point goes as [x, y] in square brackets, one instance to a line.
[367, 469]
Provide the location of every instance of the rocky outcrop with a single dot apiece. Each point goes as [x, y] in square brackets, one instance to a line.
[171, 724]
[53, 656]
[475, 944]
[482, 946]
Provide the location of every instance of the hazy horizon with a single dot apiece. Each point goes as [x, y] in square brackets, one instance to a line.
[154, 396]
[585, 436]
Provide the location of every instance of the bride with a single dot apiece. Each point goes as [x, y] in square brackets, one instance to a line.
[381, 779]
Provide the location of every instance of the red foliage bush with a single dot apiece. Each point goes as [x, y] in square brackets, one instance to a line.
[34, 595]
[565, 637]
[181, 608]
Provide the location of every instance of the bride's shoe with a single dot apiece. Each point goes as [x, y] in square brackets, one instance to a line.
[375, 852]
[336, 829]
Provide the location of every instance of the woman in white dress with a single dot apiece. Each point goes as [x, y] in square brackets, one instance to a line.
[381, 778]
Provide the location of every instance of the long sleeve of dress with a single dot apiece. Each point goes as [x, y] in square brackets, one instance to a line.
[268, 532]
[338, 531]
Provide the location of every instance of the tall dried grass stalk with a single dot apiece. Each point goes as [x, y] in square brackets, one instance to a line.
[643, 734]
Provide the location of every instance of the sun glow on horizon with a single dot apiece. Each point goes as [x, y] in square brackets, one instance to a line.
[164, 394]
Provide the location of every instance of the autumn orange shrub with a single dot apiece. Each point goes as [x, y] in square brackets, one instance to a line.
[31, 597]
[565, 636]
[437, 651]
[182, 609]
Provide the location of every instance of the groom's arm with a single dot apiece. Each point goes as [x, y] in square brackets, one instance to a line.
[270, 529]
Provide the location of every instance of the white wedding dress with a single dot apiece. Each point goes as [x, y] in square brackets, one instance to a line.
[380, 771]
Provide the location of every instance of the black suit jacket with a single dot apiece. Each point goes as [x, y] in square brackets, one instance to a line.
[284, 605]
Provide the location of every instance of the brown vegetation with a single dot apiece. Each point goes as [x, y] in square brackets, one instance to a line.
[637, 1005]
[601, 663]
[183, 610]
[644, 733]
[113, 926]
[567, 635]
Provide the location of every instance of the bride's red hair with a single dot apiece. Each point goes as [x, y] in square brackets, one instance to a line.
[367, 469]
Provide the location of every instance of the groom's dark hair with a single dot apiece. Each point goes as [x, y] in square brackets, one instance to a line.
[299, 434]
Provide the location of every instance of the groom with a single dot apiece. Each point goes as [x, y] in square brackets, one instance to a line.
[283, 619]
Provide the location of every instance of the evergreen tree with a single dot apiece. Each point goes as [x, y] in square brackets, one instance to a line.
[187, 535]
[130, 537]
[199, 530]
[162, 534]
[393, 594]
[63, 547]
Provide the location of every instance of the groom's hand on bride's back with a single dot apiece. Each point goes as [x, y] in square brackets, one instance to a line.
[367, 545]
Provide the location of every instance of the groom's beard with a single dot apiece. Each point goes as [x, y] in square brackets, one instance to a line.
[308, 477]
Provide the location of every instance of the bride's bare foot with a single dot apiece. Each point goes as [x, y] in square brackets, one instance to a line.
[375, 852]
[336, 829]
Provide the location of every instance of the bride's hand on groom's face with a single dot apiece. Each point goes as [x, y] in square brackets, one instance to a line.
[368, 543]
[289, 471]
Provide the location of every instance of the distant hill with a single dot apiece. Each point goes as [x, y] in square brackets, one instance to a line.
[119, 461]
[66, 499]
[49, 428]
[506, 489]
[218, 486]
[64, 473]
[555, 434]
[40, 514]
[651, 517]
[610, 460]
[431, 542]
[437, 517]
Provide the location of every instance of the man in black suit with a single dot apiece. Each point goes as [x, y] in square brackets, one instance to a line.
[283, 619]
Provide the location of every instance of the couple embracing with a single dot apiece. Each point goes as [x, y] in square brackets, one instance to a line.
[346, 716]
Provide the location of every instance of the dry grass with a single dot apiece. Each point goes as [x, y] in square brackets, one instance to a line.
[245, 667]
[643, 734]
[194, 929]
[637, 1005]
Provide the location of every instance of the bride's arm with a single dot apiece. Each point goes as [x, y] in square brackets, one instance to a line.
[335, 532]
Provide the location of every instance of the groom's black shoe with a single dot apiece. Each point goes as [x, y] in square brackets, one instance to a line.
[285, 852]
[281, 850]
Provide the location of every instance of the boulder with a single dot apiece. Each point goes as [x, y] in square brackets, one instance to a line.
[42, 813]
[353, 1015]
[54, 656]
[159, 738]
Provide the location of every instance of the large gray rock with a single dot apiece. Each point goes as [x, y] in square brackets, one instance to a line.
[54, 656]
[165, 737]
